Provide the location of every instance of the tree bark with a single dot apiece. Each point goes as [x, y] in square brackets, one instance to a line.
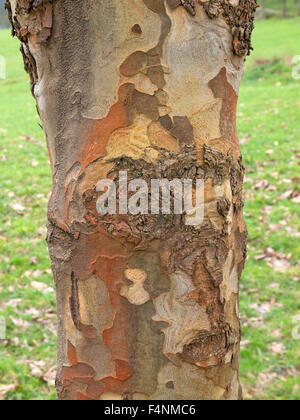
[147, 305]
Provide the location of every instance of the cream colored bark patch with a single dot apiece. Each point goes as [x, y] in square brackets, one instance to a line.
[136, 140]
[95, 305]
[141, 82]
[140, 396]
[73, 174]
[95, 310]
[229, 291]
[111, 396]
[93, 174]
[216, 192]
[183, 314]
[235, 388]
[188, 383]
[195, 51]
[160, 137]
[135, 293]
[206, 122]
[230, 282]
[212, 195]
[130, 141]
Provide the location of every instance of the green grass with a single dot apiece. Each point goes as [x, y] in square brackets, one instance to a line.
[25, 185]
[292, 6]
[269, 110]
[269, 130]
[275, 39]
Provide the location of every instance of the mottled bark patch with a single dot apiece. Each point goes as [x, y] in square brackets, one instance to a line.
[239, 17]
[135, 292]
[222, 89]
[147, 305]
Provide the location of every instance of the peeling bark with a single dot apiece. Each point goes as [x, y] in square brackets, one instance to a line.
[147, 305]
[239, 14]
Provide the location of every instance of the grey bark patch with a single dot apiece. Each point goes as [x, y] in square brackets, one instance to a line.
[134, 64]
[166, 122]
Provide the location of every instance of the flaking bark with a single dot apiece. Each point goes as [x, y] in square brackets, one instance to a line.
[147, 305]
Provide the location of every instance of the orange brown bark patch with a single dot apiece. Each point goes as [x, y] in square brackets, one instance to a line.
[72, 355]
[221, 88]
[95, 135]
[119, 336]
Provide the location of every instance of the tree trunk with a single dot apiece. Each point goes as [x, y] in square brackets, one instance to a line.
[284, 8]
[298, 7]
[147, 304]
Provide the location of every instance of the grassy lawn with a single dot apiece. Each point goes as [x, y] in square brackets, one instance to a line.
[27, 298]
[277, 5]
[269, 111]
[275, 39]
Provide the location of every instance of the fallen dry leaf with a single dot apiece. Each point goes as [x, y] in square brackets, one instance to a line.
[245, 140]
[296, 199]
[267, 210]
[38, 285]
[277, 348]
[36, 368]
[10, 303]
[273, 286]
[50, 376]
[275, 228]
[261, 185]
[34, 260]
[18, 207]
[19, 322]
[4, 389]
[33, 163]
[264, 379]
[269, 152]
[276, 334]
[294, 196]
[245, 343]
[292, 231]
[262, 309]
[279, 264]
[277, 261]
